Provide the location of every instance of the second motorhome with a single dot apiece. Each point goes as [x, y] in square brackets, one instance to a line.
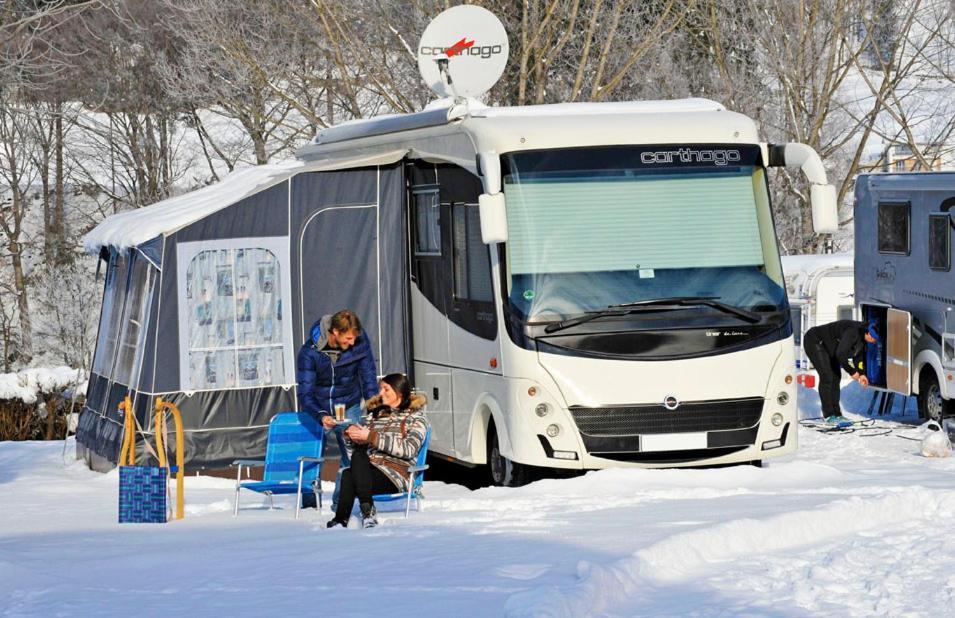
[903, 280]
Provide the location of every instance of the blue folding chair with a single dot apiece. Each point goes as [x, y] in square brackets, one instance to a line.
[415, 480]
[293, 460]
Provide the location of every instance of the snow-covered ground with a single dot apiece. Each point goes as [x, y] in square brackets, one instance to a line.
[851, 525]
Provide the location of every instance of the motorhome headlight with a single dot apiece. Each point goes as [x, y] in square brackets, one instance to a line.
[782, 398]
[777, 419]
[553, 430]
[542, 410]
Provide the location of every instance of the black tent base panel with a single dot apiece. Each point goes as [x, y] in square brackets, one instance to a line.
[219, 427]
[93, 461]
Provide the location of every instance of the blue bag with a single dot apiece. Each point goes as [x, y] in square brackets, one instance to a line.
[142, 495]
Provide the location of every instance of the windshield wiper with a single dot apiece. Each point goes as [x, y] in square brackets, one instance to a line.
[656, 304]
[612, 311]
[692, 301]
[668, 300]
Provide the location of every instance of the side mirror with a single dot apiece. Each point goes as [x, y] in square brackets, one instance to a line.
[825, 210]
[822, 195]
[493, 218]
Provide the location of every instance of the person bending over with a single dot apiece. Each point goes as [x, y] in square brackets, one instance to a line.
[835, 347]
[386, 446]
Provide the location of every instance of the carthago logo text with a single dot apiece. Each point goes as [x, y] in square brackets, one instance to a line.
[463, 47]
[690, 155]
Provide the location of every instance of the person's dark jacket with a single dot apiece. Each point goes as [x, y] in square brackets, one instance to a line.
[843, 340]
[322, 383]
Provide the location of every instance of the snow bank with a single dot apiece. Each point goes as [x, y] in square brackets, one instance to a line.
[683, 555]
[26, 385]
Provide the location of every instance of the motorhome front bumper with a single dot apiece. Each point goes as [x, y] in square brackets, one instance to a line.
[652, 433]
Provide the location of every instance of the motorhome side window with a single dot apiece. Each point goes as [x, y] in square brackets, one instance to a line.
[894, 222]
[939, 242]
[427, 205]
[472, 267]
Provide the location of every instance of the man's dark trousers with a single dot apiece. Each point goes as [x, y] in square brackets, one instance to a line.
[829, 374]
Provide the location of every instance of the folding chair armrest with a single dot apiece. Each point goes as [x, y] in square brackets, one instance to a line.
[312, 459]
[248, 462]
[414, 469]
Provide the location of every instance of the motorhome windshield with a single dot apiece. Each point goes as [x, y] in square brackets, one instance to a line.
[589, 228]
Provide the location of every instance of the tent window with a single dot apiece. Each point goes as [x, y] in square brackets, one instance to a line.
[115, 292]
[135, 315]
[235, 333]
[894, 228]
[427, 206]
[939, 242]
[472, 267]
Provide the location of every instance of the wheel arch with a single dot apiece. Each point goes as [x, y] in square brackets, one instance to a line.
[927, 360]
[486, 411]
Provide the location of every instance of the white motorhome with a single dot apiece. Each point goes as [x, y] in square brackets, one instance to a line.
[627, 305]
[820, 290]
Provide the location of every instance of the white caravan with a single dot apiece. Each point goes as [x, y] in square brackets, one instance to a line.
[820, 290]
[627, 305]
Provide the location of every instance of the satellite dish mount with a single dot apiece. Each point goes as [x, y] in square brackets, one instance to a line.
[445, 72]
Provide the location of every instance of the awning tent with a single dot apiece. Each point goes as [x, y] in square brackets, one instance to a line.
[209, 295]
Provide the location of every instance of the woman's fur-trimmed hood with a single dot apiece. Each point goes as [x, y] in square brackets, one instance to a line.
[418, 402]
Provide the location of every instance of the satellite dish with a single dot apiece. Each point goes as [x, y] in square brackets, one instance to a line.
[463, 52]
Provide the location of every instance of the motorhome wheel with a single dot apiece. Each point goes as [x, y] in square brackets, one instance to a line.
[932, 406]
[504, 472]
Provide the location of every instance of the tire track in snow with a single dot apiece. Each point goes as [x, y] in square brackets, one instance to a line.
[678, 557]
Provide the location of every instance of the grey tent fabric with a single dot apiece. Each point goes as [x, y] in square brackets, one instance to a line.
[330, 283]
[152, 251]
[346, 237]
[394, 269]
[349, 227]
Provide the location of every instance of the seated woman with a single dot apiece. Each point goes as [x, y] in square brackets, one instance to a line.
[386, 445]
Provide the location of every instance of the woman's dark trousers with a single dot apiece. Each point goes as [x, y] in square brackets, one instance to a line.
[361, 480]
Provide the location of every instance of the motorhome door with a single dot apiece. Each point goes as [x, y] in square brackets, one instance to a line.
[898, 355]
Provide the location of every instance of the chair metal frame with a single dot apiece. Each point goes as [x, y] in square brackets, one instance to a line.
[316, 483]
[413, 492]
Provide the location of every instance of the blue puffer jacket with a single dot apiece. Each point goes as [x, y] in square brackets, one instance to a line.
[322, 384]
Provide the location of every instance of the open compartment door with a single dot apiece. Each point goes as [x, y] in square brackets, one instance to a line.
[899, 351]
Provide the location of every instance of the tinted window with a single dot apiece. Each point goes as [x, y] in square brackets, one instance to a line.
[844, 312]
[894, 228]
[472, 267]
[939, 242]
[427, 207]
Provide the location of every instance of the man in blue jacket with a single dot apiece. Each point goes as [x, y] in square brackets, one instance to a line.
[336, 366]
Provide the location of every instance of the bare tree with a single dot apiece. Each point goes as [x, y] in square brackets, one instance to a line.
[16, 150]
[233, 60]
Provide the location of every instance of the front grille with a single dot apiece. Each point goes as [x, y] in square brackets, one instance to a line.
[717, 415]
